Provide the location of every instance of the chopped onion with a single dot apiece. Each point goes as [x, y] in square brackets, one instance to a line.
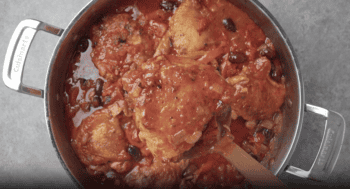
[250, 124]
[267, 124]
[194, 137]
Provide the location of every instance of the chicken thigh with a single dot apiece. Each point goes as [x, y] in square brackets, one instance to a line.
[257, 96]
[100, 139]
[174, 102]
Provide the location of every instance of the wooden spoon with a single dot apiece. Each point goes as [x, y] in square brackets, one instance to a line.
[252, 170]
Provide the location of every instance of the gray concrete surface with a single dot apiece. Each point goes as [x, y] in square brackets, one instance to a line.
[319, 30]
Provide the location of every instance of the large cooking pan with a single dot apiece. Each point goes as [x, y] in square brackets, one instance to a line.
[293, 109]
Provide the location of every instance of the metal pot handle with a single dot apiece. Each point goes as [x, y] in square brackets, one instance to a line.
[17, 52]
[330, 148]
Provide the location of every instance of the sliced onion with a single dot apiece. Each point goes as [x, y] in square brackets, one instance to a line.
[194, 137]
[250, 124]
[268, 124]
[179, 137]
[237, 79]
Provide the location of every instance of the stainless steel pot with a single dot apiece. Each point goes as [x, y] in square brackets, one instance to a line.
[293, 110]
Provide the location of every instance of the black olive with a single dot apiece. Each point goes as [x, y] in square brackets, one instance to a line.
[83, 44]
[99, 86]
[168, 5]
[236, 57]
[229, 24]
[121, 40]
[273, 72]
[264, 50]
[96, 101]
[276, 70]
[141, 86]
[268, 135]
[134, 152]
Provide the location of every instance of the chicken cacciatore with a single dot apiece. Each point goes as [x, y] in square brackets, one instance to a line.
[146, 86]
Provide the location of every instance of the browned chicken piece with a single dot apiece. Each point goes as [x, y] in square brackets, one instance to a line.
[195, 33]
[188, 27]
[175, 75]
[117, 43]
[174, 102]
[190, 31]
[158, 175]
[257, 96]
[100, 139]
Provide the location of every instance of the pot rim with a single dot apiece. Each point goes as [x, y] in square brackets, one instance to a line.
[46, 93]
[256, 3]
[300, 82]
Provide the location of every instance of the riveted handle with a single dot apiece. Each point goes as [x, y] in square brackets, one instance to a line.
[330, 148]
[17, 52]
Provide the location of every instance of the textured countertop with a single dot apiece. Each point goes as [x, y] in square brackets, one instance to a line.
[319, 31]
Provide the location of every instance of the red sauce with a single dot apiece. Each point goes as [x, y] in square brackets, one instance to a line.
[149, 83]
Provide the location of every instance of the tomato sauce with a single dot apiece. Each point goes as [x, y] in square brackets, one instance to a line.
[150, 83]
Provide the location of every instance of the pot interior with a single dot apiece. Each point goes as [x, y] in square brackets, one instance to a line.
[293, 107]
[64, 52]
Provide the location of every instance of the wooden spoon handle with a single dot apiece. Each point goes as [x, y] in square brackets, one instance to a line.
[253, 171]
